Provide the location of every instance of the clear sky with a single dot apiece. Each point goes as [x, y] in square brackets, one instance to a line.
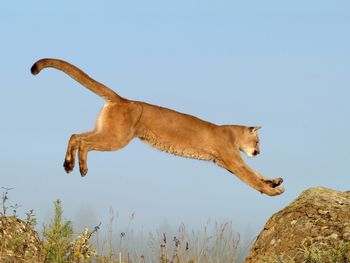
[284, 65]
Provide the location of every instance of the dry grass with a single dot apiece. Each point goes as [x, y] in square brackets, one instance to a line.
[214, 243]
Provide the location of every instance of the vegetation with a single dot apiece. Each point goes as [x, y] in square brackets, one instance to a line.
[60, 244]
[57, 236]
[315, 254]
[21, 243]
[214, 244]
[18, 241]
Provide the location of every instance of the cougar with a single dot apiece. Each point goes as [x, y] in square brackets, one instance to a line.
[121, 120]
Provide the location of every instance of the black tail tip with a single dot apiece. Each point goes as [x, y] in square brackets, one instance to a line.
[34, 69]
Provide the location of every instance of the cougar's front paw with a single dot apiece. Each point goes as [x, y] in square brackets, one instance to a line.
[277, 181]
[279, 190]
[273, 191]
[68, 166]
[274, 182]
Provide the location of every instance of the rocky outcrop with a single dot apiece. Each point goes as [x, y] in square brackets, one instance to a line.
[19, 242]
[318, 218]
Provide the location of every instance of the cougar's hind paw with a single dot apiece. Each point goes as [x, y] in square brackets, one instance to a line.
[83, 171]
[68, 166]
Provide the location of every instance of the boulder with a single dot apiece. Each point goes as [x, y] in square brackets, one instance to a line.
[318, 220]
[19, 242]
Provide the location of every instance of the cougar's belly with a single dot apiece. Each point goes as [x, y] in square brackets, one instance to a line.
[177, 147]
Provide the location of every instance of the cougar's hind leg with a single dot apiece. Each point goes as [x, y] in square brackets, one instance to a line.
[98, 142]
[114, 128]
[72, 148]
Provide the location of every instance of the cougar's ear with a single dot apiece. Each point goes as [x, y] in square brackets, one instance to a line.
[254, 129]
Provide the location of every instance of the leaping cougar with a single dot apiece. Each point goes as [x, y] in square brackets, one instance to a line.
[121, 120]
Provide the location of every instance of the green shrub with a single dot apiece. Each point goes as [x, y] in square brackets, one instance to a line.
[58, 236]
[59, 244]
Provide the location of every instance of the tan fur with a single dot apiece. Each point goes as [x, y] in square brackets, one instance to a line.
[121, 120]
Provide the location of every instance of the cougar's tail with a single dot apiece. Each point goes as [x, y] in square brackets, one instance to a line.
[77, 74]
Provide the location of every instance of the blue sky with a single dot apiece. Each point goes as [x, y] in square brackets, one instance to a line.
[282, 65]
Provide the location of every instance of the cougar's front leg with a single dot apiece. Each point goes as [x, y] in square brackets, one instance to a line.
[250, 177]
[264, 185]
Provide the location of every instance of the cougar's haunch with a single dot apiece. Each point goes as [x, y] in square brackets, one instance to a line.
[121, 120]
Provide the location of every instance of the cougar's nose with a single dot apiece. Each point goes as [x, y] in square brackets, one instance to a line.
[256, 152]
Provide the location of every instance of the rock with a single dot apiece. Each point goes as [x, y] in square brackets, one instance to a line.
[19, 242]
[318, 218]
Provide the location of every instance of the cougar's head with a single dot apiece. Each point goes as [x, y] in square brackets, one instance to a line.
[249, 143]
